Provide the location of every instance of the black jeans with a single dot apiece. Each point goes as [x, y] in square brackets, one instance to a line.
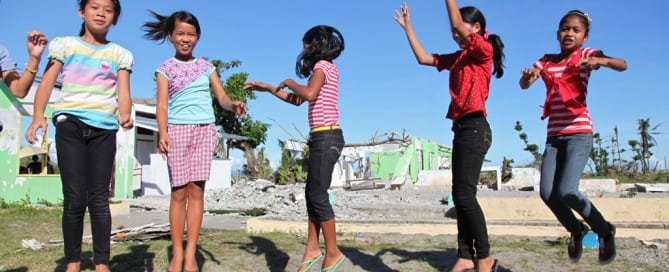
[472, 139]
[324, 150]
[85, 157]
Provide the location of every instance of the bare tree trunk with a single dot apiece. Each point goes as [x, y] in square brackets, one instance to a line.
[250, 160]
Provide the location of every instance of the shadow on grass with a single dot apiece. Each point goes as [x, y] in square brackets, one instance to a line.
[275, 259]
[138, 259]
[20, 269]
[440, 260]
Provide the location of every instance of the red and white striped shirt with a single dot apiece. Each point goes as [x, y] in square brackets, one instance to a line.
[566, 91]
[325, 111]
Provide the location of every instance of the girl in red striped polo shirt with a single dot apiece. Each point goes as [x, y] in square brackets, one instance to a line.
[569, 140]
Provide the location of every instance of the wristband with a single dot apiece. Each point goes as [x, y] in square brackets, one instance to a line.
[32, 71]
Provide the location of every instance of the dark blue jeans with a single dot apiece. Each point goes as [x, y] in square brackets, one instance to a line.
[561, 169]
[471, 141]
[85, 158]
[324, 150]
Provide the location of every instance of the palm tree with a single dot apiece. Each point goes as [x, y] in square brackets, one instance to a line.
[647, 142]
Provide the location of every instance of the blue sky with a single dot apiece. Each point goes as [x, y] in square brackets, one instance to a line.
[382, 88]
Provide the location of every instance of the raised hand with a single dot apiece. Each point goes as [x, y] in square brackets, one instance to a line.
[36, 43]
[402, 15]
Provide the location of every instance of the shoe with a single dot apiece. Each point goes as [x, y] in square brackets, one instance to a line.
[310, 263]
[334, 267]
[575, 246]
[607, 246]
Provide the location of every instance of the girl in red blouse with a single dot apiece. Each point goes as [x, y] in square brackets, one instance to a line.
[470, 69]
[569, 140]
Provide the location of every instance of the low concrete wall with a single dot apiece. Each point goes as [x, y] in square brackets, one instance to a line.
[507, 216]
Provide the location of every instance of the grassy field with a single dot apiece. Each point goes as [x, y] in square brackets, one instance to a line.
[240, 251]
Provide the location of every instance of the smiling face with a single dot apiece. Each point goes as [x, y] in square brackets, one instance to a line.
[98, 15]
[572, 33]
[184, 38]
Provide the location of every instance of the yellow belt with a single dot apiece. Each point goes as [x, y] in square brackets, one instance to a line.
[324, 128]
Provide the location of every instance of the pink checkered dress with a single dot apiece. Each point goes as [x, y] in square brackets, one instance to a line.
[191, 151]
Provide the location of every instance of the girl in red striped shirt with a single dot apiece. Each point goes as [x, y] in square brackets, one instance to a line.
[569, 140]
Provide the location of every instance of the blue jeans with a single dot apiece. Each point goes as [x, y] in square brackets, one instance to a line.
[561, 169]
[471, 141]
[85, 158]
[324, 150]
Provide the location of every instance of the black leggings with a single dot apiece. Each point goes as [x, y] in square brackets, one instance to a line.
[85, 158]
[472, 139]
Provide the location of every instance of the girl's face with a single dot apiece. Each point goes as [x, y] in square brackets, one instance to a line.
[461, 41]
[98, 16]
[184, 38]
[572, 34]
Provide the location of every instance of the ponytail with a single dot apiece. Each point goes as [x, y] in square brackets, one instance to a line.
[497, 55]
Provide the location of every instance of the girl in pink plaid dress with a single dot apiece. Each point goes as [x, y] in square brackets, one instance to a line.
[186, 128]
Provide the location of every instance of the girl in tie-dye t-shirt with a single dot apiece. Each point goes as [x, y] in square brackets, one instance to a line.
[93, 103]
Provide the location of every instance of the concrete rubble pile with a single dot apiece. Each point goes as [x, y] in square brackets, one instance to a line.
[288, 200]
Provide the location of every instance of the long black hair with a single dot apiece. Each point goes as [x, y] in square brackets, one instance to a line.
[160, 29]
[117, 13]
[321, 42]
[472, 15]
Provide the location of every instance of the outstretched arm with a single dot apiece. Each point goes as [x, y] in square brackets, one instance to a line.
[457, 24]
[278, 92]
[606, 61]
[300, 92]
[403, 17]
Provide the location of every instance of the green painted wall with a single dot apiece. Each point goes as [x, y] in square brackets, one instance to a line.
[18, 187]
[419, 154]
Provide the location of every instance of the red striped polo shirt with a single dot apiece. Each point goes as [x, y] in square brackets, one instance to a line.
[566, 91]
[324, 110]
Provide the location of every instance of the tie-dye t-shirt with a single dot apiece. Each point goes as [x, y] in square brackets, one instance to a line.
[90, 77]
[188, 89]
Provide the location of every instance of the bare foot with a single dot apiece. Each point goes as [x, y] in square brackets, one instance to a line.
[190, 264]
[486, 264]
[101, 268]
[176, 263]
[309, 260]
[73, 267]
[332, 260]
[462, 265]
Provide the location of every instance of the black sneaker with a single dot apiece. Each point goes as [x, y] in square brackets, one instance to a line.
[575, 246]
[607, 246]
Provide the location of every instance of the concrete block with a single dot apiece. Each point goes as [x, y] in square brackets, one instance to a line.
[435, 178]
[595, 187]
